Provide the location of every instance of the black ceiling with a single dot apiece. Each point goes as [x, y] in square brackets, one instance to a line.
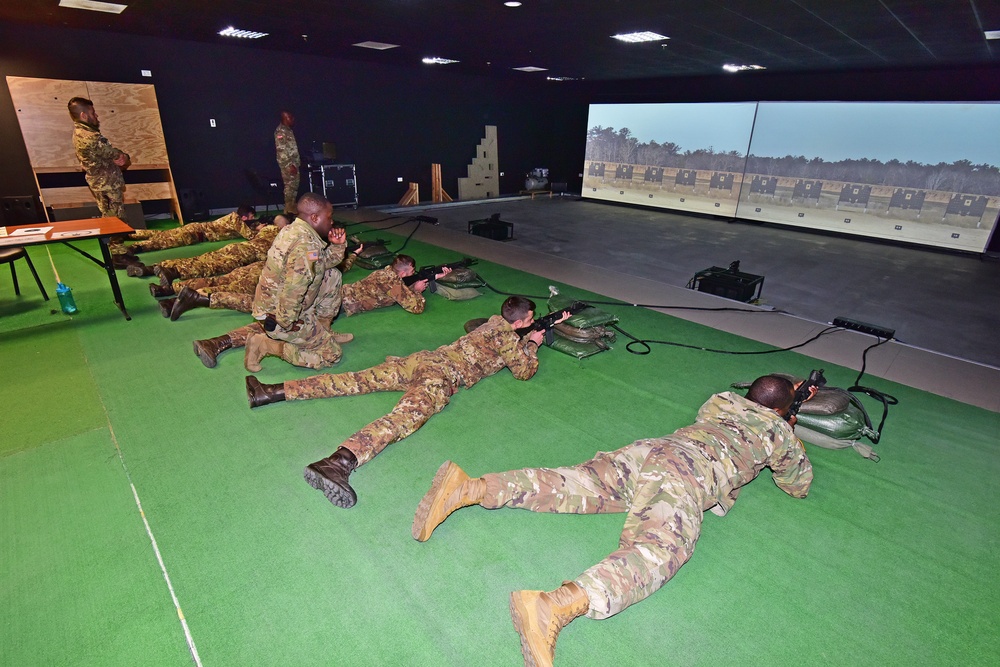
[572, 39]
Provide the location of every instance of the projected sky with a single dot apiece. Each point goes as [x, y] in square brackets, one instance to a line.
[928, 133]
[723, 127]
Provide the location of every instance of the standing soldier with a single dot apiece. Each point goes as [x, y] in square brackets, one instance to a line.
[288, 159]
[102, 163]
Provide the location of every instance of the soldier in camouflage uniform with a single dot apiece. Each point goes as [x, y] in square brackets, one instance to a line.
[663, 484]
[427, 379]
[233, 291]
[216, 262]
[230, 226]
[296, 298]
[385, 287]
[380, 289]
[287, 151]
[102, 163]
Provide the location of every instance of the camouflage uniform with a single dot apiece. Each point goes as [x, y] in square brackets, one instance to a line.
[226, 258]
[104, 177]
[300, 287]
[380, 289]
[233, 291]
[427, 379]
[665, 485]
[288, 156]
[225, 228]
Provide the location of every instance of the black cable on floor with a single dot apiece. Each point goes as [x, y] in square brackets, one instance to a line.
[882, 397]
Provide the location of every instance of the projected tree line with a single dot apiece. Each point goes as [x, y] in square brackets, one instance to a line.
[605, 144]
[959, 176]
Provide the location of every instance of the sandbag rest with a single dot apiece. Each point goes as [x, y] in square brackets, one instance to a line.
[833, 419]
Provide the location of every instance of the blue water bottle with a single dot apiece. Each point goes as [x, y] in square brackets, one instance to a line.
[66, 301]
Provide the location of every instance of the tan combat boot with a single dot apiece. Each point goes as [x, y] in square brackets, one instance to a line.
[450, 490]
[539, 616]
[258, 347]
[339, 338]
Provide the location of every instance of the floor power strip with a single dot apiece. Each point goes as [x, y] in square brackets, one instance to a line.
[864, 327]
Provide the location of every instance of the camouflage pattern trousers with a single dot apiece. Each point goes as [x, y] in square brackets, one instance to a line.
[427, 388]
[291, 190]
[310, 346]
[185, 235]
[232, 291]
[653, 481]
[111, 201]
[216, 262]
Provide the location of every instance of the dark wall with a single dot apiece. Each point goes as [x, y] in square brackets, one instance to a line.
[391, 122]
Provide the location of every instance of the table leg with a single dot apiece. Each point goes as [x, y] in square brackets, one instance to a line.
[112, 277]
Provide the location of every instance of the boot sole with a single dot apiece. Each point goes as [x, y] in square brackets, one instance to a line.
[335, 493]
[523, 621]
[205, 357]
[419, 529]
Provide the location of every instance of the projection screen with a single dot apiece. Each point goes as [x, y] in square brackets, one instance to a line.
[924, 173]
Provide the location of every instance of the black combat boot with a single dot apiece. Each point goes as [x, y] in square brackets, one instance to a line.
[260, 394]
[159, 291]
[210, 348]
[166, 305]
[139, 270]
[165, 274]
[330, 475]
[187, 299]
[123, 260]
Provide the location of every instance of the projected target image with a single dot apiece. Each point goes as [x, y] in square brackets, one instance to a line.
[689, 157]
[925, 173]
[922, 173]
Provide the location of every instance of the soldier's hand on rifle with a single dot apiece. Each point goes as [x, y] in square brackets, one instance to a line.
[537, 337]
[419, 286]
[445, 270]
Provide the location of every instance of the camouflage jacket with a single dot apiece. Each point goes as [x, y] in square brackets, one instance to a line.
[293, 273]
[262, 240]
[380, 289]
[286, 148]
[739, 438]
[96, 156]
[484, 352]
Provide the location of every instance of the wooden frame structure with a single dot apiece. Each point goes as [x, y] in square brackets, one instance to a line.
[130, 119]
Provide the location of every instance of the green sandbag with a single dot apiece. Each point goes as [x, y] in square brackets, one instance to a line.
[575, 349]
[456, 293]
[586, 318]
[460, 278]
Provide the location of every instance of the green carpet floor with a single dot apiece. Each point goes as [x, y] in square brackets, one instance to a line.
[889, 563]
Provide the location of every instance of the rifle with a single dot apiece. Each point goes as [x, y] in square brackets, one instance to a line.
[430, 272]
[804, 391]
[546, 322]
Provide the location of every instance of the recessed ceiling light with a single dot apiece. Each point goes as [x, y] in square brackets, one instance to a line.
[561, 78]
[530, 69]
[741, 68]
[512, 3]
[244, 34]
[640, 37]
[434, 60]
[992, 34]
[378, 46]
[94, 6]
